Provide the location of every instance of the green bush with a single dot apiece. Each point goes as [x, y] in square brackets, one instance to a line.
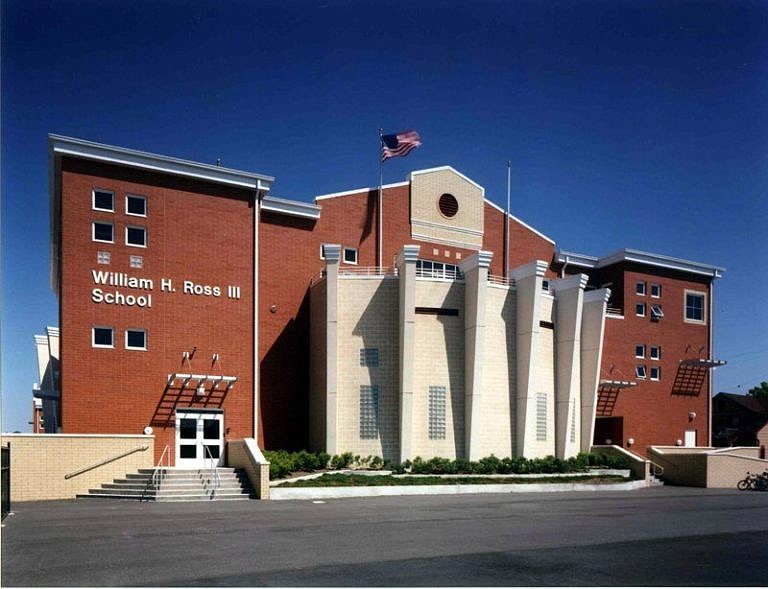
[341, 461]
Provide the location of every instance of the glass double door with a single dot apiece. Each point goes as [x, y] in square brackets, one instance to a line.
[199, 438]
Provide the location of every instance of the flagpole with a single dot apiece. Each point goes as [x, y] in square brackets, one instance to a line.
[379, 227]
[506, 219]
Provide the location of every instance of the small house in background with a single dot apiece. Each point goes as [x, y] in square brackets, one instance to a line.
[740, 420]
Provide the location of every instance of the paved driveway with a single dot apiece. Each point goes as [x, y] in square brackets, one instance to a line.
[659, 536]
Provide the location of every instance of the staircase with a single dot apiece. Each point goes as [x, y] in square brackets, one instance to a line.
[175, 484]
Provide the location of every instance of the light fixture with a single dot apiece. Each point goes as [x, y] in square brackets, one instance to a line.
[678, 443]
[608, 441]
[630, 441]
[201, 389]
[691, 416]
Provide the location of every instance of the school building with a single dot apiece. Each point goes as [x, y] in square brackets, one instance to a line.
[196, 306]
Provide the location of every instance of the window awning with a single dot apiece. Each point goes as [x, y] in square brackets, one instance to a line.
[198, 380]
[703, 362]
[616, 384]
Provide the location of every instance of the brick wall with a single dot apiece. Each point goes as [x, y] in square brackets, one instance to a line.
[39, 463]
[196, 232]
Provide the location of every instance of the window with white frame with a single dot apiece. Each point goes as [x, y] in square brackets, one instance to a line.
[137, 262]
[103, 232]
[541, 417]
[640, 309]
[136, 205]
[640, 351]
[655, 372]
[103, 200]
[369, 357]
[656, 312]
[103, 257]
[350, 255]
[640, 371]
[640, 288]
[136, 236]
[369, 412]
[655, 352]
[135, 339]
[694, 307]
[655, 291]
[322, 251]
[430, 269]
[436, 405]
[103, 337]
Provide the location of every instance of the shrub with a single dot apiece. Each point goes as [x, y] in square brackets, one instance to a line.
[342, 461]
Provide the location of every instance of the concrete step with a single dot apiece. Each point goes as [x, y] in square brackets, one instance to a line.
[177, 485]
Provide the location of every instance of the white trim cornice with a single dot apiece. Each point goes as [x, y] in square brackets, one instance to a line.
[293, 208]
[535, 268]
[600, 294]
[574, 281]
[69, 146]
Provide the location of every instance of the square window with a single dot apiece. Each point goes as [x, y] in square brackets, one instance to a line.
[136, 205]
[136, 236]
[103, 200]
[103, 337]
[655, 372]
[656, 312]
[187, 451]
[103, 257]
[137, 262]
[211, 430]
[640, 351]
[640, 288]
[655, 291]
[640, 309]
[103, 232]
[694, 307]
[350, 255]
[640, 371]
[136, 339]
[655, 352]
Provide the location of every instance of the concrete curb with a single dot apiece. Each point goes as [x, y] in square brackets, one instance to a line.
[280, 494]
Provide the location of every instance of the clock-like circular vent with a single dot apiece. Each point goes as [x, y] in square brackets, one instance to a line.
[448, 205]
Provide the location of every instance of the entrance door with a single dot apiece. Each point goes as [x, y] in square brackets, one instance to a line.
[690, 438]
[199, 437]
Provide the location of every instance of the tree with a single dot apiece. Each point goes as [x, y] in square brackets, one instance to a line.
[760, 392]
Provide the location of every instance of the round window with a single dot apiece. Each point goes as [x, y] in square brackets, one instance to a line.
[448, 205]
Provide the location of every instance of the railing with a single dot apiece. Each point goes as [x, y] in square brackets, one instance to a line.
[439, 274]
[158, 475]
[501, 280]
[106, 461]
[614, 311]
[214, 472]
[374, 271]
[6, 481]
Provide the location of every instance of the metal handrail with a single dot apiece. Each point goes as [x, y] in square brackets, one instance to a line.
[107, 461]
[158, 475]
[501, 280]
[358, 271]
[216, 475]
[657, 470]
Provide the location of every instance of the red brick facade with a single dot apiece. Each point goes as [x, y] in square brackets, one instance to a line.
[196, 232]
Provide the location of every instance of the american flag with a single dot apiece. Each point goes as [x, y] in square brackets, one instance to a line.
[399, 144]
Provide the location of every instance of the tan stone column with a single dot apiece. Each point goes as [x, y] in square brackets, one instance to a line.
[528, 282]
[406, 270]
[569, 296]
[332, 258]
[592, 330]
[475, 270]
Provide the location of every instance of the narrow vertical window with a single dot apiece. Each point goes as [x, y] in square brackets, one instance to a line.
[369, 412]
[656, 291]
[573, 422]
[541, 417]
[640, 288]
[640, 309]
[437, 413]
[640, 351]
[694, 307]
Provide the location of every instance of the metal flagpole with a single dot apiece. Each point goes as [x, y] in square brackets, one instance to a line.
[381, 216]
[506, 219]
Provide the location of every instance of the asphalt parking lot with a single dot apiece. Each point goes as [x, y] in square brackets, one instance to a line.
[659, 536]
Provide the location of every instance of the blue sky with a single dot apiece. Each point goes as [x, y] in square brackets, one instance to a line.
[629, 124]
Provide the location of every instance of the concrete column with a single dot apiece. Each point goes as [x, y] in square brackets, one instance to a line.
[475, 269]
[332, 258]
[528, 281]
[592, 330]
[569, 297]
[406, 269]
